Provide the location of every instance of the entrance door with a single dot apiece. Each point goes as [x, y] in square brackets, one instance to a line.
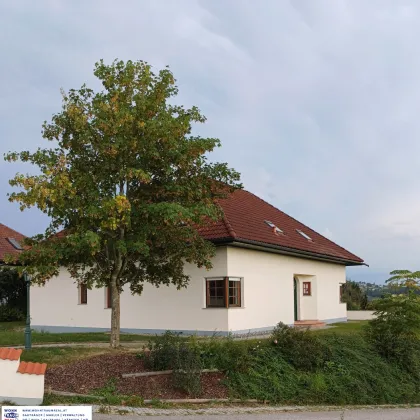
[295, 298]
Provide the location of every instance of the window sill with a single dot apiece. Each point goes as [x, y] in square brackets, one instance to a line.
[82, 304]
[231, 307]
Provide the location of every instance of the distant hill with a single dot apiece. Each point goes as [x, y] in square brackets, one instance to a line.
[374, 291]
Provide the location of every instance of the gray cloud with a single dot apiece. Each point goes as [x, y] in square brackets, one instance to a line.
[315, 102]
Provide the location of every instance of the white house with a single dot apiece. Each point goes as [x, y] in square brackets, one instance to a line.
[268, 268]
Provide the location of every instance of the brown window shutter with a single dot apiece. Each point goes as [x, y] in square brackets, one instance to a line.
[109, 297]
[83, 294]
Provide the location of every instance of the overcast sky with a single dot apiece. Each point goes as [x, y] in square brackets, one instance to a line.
[316, 102]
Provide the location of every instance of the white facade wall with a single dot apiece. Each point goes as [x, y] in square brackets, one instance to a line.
[268, 289]
[360, 315]
[267, 292]
[164, 308]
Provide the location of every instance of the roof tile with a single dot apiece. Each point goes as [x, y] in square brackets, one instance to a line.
[32, 368]
[9, 353]
[244, 216]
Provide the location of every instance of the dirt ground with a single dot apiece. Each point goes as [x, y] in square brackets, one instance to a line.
[87, 375]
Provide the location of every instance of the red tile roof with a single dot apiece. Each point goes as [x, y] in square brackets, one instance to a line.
[6, 248]
[32, 368]
[9, 354]
[244, 221]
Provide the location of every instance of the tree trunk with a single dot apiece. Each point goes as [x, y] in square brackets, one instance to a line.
[115, 314]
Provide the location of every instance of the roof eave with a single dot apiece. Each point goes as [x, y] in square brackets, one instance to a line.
[261, 246]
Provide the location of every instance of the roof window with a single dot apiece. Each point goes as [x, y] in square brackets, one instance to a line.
[304, 235]
[15, 243]
[276, 229]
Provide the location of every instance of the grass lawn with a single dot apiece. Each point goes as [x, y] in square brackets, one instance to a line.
[12, 334]
[349, 327]
[61, 355]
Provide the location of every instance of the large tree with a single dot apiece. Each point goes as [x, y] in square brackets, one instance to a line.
[129, 183]
[404, 278]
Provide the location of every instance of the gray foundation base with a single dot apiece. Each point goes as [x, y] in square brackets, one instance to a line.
[21, 401]
[252, 331]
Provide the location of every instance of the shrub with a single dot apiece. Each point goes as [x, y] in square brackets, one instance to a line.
[395, 332]
[8, 314]
[225, 353]
[163, 351]
[303, 349]
[187, 369]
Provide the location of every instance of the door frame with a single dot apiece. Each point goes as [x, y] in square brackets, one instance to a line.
[295, 299]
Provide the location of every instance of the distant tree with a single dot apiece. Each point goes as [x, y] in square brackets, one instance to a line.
[129, 183]
[353, 295]
[404, 278]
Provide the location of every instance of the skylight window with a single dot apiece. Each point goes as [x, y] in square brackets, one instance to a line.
[276, 229]
[15, 243]
[304, 235]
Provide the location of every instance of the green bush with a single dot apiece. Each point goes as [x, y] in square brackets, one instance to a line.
[395, 332]
[163, 351]
[187, 370]
[9, 314]
[301, 348]
[225, 353]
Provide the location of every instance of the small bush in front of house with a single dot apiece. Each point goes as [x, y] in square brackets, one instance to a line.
[187, 369]
[9, 314]
[163, 351]
[301, 348]
[225, 353]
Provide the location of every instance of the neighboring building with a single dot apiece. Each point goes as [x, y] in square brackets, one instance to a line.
[10, 242]
[268, 268]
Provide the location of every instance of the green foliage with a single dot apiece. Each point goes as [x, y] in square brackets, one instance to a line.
[301, 348]
[9, 314]
[355, 374]
[395, 332]
[12, 289]
[129, 182]
[163, 351]
[226, 354]
[404, 278]
[353, 295]
[187, 369]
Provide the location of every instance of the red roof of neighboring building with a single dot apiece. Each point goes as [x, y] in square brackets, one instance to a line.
[32, 368]
[9, 353]
[244, 221]
[6, 248]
